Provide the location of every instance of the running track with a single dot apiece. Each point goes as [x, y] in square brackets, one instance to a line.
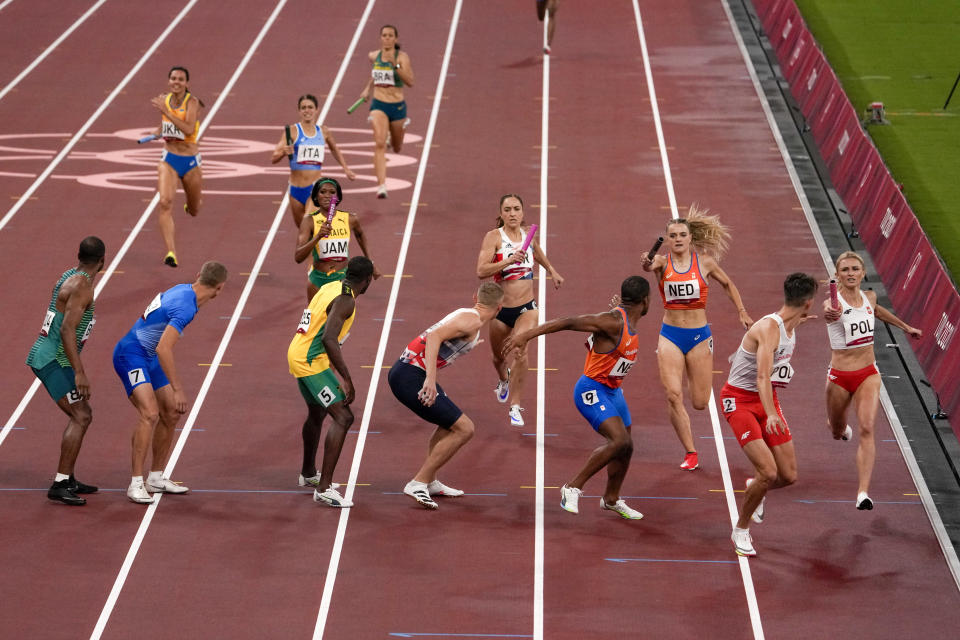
[248, 554]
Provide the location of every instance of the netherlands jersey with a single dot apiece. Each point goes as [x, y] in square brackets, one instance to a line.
[384, 74]
[610, 368]
[743, 364]
[449, 350]
[855, 326]
[307, 150]
[176, 307]
[683, 289]
[514, 271]
[306, 354]
[336, 246]
[170, 131]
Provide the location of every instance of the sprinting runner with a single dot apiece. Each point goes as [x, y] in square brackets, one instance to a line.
[144, 361]
[749, 401]
[545, 7]
[612, 351]
[314, 354]
[853, 376]
[413, 381]
[686, 343]
[55, 360]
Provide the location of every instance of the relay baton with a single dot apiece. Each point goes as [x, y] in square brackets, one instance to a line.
[529, 238]
[333, 209]
[656, 247]
[834, 300]
[286, 129]
[356, 104]
[148, 138]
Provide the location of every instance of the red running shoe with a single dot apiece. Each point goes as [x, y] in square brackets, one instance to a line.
[690, 461]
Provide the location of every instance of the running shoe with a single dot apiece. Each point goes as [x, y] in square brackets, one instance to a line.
[314, 481]
[78, 487]
[620, 507]
[382, 192]
[165, 485]
[61, 491]
[503, 389]
[138, 493]
[864, 503]
[437, 488]
[847, 433]
[406, 122]
[331, 497]
[758, 512]
[570, 498]
[171, 259]
[516, 420]
[418, 491]
[690, 461]
[742, 542]
[546, 50]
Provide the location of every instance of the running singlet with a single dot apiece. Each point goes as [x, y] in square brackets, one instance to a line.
[176, 307]
[383, 74]
[683, 290]
[610, 368]
[307, 150]
[48, 346]
[449, 350]
[168, 130]
[855, 326]
[336, 246]
[306, 354]
[743, 364]
[514, 271]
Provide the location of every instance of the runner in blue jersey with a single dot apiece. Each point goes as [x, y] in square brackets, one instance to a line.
[55, 360]
[144, 361]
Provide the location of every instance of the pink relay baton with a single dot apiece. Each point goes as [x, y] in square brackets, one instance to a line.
[526, 241]
[333, 209]
[834, 299]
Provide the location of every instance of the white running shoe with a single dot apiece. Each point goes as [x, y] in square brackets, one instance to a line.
[516, 420]
[331, 497]
[864, 503]
[166, 486]
[406, 122]
[742, 542]
[503, 389]
[847, 433]
[570, 498]
[418, 491]
[382, 191]
[758, 512]
[437, 488]
[620, 507]
[314, 481]
[138, 493]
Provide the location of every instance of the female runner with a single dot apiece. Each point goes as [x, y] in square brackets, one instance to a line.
[179, 127]
[388, 111]
[696, 244]
[853, 375]
[303, 143]
[501, 258]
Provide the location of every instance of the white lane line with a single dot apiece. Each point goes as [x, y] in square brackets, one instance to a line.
[752, 606]
[56, 43]
[211, 372]
[4, 4]
[96, 114]
[376, 374]
[950, 554]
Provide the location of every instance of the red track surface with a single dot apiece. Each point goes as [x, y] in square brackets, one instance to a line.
[246, 554]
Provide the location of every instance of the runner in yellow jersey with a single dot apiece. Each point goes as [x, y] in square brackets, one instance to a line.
[313, 355]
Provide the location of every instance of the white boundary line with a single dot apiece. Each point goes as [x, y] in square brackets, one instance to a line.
[376, 374]
[214, 366]
[96, 114]
[752, 606]
[950, 554]
[4, 5]
[49, 50]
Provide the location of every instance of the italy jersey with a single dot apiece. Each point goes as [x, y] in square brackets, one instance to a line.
[175, 307]
[307, 150]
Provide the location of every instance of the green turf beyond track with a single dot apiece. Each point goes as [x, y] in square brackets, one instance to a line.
[906, 54]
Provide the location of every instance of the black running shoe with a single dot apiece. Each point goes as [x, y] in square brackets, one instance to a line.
[78, 487]
[61, 492]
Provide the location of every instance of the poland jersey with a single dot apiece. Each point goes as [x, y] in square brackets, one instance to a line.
[743, 364]
[855, 326]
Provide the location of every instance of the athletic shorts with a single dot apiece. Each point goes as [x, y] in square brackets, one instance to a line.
[319, 278]
[136, 368]
[181, 164]
[597, 402]
[406, 380]
[394, 110]
[687, 339]
[745, 413]
[509, 315]
[321, 388]
[58, 381]
[851, 380]
[301, 194]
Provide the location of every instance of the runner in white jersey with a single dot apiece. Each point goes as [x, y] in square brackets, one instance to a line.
[749, 400]
[853, 376]
[413, 381]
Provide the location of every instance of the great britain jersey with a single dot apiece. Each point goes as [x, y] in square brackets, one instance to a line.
[515, 270]
[449, 350]
[743, 364]
[336, 246]
[49, 346]
[611, 367]
[170, 131]
[307, 150]
[855, 326]
[683, 289]
[175, 307]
